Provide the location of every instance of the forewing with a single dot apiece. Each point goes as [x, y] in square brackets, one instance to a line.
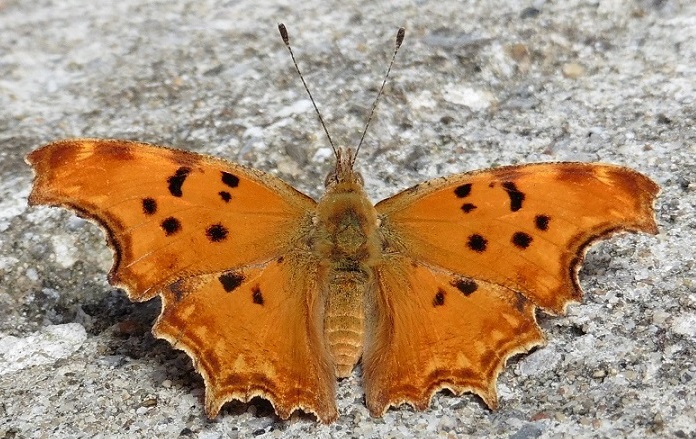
[524, 228]
[169, 214]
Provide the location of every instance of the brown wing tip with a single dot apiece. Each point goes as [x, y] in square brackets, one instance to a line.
[645, 192]
[648, 193]
[45, 161]
[38, 189]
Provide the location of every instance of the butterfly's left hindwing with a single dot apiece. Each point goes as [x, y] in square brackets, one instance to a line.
[255, 332]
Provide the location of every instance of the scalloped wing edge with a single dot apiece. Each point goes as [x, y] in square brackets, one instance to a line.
[214, 403]
[576, 264]
[489, 396]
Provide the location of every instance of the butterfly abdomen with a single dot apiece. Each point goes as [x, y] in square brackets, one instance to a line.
[344, 319]
[347, 243]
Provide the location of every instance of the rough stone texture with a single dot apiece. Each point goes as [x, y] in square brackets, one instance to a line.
[476, 84]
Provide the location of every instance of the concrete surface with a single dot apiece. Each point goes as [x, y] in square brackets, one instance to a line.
[476, 84]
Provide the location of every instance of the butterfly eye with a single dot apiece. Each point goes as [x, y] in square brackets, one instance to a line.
[359, 178]
[331, 178]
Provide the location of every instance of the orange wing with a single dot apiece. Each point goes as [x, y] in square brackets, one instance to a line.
[438, 330]
[254, 332]
[223, 245]
[522, 227]
[169, 214]
[467, 260]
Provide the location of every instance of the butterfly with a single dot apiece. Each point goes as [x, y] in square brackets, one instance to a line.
[274, 294]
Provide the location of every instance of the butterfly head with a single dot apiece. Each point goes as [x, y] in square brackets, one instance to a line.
[343, 173]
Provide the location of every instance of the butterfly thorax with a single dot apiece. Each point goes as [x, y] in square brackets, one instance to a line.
[348, 244]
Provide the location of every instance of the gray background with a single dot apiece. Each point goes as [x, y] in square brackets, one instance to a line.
[475, 85]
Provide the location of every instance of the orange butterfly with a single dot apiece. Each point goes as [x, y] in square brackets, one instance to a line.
[273, 294]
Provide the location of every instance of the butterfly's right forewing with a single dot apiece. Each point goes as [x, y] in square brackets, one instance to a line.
[522, 227]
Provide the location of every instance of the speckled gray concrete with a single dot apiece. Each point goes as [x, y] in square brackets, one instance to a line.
[474, 86]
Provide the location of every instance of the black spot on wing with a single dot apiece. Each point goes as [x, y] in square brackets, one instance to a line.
[463, 190]
[179, 290]
[176, 181]
[468, 207]
[230, 180]
[466, 286]
[230, 280]
[542, 222]
[216, 233]
[439, 298]
[225, 196]
[256, 295]
[149, 206]
[477, 243]
[520, 302]
[521, 240]
[170, 226]
[516, 197]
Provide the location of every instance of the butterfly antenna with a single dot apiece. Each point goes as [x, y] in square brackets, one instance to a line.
[286, 39]
[399, 39]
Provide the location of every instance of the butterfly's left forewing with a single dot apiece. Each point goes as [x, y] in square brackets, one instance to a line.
[523, 227]
[467, 259]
